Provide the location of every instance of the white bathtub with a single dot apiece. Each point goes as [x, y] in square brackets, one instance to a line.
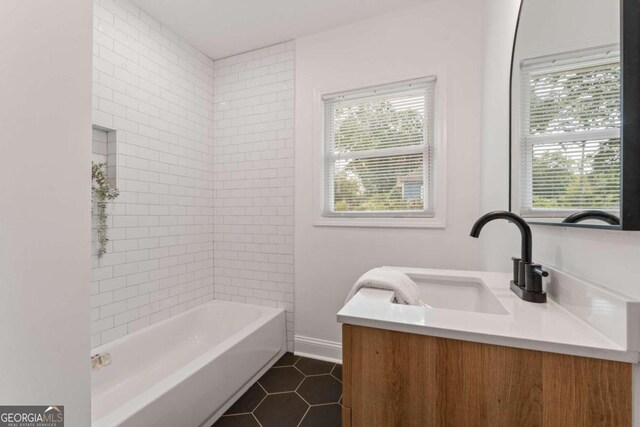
[186, 370]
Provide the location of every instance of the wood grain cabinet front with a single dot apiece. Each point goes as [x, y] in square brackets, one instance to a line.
[399, 379]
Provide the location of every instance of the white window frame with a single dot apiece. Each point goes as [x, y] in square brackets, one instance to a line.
[562, 60]
[438, 154]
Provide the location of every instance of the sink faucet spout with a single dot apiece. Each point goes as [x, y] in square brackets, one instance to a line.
[527, 277]
[524, 228]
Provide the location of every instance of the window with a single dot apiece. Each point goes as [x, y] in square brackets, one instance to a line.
[379, 150]
[570, 143]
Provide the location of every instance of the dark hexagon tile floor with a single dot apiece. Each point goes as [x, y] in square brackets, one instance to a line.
[323, 416]
[296, 391]
[249, 401]
[314, 367]
[280, 379]
[289, 359]
[320, 389]
[244, 420]
[337, 372]
[281, 410]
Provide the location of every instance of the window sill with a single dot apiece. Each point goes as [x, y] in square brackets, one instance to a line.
[415, 222]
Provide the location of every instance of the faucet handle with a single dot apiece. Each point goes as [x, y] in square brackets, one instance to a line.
[530, 288]
[537, 269]
[533, 278]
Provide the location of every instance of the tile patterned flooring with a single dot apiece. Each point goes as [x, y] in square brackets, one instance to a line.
[295, 392]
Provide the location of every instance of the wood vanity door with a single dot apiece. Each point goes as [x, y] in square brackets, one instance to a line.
[399, 379]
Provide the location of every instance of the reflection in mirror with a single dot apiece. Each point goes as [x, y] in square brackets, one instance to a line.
[581, 216]
[566, 112]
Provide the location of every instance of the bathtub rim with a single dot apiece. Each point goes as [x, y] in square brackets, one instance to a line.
[263, 309]
[164, 385]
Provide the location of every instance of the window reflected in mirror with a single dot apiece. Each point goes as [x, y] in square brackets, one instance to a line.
[566, 112]
[570, 142]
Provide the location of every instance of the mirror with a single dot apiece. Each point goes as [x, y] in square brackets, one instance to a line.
[572, 141]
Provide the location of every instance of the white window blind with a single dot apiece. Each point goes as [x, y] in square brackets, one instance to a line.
[570, 143]
[378, 151]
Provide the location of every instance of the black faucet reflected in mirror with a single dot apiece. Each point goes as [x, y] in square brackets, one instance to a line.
[527, 277]
[577, 217]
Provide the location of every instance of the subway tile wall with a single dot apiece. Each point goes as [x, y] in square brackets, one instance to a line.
[156, 91]
[253, 178]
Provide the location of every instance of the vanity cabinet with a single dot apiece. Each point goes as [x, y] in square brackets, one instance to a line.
[400, 379]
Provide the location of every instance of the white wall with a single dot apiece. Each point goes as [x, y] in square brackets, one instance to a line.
[45, 219]
[603, 257]
[447, 34]
[596, 23]
[253, 178]
[156, 91]
[499, 239]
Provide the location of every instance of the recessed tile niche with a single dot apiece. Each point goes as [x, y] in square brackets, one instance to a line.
[103, 149]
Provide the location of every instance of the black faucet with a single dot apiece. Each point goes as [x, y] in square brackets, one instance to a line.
[527, 277]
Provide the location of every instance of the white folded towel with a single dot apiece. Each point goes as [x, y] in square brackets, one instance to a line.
[405, 289]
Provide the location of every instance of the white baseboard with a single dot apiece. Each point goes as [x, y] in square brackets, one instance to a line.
[314, 348]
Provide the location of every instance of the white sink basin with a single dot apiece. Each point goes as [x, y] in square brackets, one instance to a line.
[457, 293]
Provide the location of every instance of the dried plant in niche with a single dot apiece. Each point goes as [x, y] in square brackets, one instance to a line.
[102, 192]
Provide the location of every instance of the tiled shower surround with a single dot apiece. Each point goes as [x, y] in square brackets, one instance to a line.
[155, 91]
[184, 185]
[253, 178]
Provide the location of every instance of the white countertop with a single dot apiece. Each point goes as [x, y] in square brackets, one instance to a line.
[545, 327]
